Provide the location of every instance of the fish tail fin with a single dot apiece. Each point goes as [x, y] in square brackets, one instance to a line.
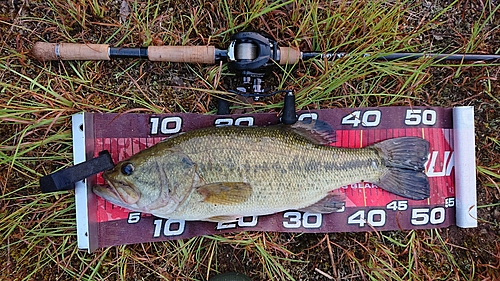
[405, 159]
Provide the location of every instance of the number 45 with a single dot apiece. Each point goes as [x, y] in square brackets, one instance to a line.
[398, 205]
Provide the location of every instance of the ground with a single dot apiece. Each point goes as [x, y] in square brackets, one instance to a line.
[37, 231]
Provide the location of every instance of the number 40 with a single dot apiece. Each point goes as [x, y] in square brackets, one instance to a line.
[369, 118]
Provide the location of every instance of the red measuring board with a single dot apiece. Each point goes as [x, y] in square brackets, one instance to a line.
[367, 207]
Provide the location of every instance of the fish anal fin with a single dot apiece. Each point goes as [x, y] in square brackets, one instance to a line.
[225, 193]
[333, 202]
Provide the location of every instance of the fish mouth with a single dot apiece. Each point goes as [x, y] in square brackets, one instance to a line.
[108, 192]
[118, 193]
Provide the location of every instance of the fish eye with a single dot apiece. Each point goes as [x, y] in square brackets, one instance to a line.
[127, 169]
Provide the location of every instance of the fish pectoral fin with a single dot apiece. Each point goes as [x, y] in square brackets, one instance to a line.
[223, 218]
[331, 203]
[225, 193]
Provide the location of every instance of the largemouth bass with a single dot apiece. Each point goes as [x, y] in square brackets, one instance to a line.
[221, 174]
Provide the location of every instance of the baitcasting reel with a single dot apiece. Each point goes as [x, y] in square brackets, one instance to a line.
[251, 56]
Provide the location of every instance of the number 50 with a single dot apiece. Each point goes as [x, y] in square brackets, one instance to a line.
[424, 216]
[415, 117]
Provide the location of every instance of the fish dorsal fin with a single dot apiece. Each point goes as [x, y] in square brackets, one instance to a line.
[317, 131]
[226, 193]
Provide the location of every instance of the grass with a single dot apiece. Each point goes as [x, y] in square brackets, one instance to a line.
[37, 231]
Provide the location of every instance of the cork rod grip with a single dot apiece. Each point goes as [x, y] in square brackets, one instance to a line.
[188, 54]
[69, 51]
[289, 55]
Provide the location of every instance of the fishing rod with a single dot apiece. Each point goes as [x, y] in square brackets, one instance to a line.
[247, 50]
[250, 55]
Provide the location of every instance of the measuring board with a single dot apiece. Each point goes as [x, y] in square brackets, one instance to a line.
[368, 207]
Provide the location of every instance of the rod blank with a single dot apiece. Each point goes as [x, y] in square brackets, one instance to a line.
[406, 56]
[455, 57]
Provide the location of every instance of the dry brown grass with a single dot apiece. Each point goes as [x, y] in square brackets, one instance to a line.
[37, 231]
